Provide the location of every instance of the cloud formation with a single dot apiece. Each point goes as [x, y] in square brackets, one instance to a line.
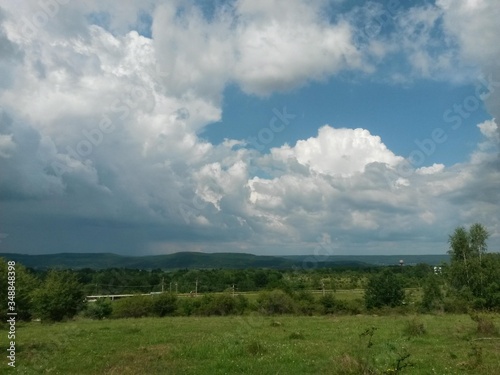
[101, 113]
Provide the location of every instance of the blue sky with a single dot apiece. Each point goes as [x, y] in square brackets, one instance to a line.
[399, 115]
[266, 127]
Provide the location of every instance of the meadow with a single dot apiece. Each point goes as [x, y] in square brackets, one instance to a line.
[255, 344]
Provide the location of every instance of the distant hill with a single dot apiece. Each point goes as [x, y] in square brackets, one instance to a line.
[377, 260]
[204, 260]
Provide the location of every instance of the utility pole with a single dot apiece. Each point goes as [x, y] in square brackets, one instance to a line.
[176, 290]
[162, 284]
[196, 289]
[323, 286]
[233, 290]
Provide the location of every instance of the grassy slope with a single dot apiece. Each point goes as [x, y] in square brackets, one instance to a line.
[250, 345]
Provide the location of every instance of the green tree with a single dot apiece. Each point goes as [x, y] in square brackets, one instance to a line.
[467, 250]
[384, 289]
[24, 283]
[59, 297]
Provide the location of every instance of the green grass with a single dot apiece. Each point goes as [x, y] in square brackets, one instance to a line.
[255, 345]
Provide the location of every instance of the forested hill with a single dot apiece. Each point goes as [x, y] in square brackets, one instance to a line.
[204, 260]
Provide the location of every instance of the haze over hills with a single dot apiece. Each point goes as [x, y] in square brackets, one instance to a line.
[212, 260]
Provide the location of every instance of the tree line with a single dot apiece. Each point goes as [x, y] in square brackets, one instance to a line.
[470, 280]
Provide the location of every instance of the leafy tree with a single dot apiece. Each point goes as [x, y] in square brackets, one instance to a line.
[24, 284]
[59, 297]
[467, 251]
[384, 289]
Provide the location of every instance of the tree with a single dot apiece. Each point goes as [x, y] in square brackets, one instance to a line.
[467, 249]
[59, 297]
[24, 283]
[384, 289]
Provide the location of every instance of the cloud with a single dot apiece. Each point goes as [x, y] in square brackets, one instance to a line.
[285, 44]
[100, 147]
[339, 151]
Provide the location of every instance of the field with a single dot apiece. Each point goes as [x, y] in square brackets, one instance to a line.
[259, 345]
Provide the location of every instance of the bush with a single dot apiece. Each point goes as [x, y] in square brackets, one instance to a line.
[458, 301]
[384, 289]
[164, 304]
[60, 297]
[306, 303]
[99, 309]
[242, 304]
[485, 326]
[331, 305]
[25, 283]
[275, 302]
[415, 328]
[433, 297]
[189, 306]
[220, 304]
[133, 307]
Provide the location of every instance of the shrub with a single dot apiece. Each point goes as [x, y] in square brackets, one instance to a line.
[384, 289]
[133, 307]
[415, 328]
[485, 326]
[330, 305]
[256, 348]
[433, 297]
[25, 283]
[221, 304]
[164, 304]
[275, 302]
[306, 303]
[296, 336]
[241, 303]
[189, 306]
[99, 309]
[59, 297]
[458, 301]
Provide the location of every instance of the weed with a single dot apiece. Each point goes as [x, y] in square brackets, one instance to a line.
[402, 362]
[414, 328]
[369, 332]
[256, 348]
[485, 326]
[476, 356]
[351, 365]
[296, 336]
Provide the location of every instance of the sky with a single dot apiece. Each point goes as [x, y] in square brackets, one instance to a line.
[279, 127]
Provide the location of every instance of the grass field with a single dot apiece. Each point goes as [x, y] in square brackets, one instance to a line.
[258, 345]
